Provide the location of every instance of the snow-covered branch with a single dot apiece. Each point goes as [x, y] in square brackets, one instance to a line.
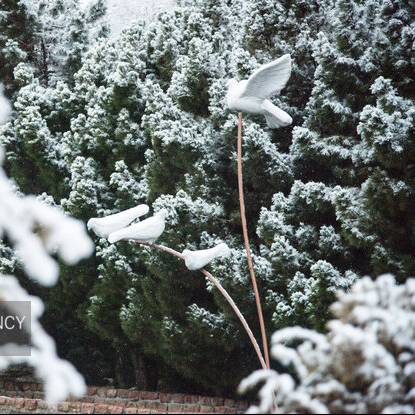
[365, 363]
[39, 232]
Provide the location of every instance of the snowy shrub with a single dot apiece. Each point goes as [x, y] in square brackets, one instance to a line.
[364, 364]
[39, 232]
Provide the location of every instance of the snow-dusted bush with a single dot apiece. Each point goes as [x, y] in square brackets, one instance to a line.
[364, 364]
[38, 231]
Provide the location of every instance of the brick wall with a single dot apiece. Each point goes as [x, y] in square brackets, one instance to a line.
[28, 397]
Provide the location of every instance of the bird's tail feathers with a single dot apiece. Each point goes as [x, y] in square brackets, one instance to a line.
[116, 236]
[275, 116]
[223, 250]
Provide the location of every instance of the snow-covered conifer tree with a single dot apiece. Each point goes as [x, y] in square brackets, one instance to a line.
[349, 212]
[144, 120]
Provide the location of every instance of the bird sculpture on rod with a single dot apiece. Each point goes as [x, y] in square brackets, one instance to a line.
[148, 231]
[252, 96]
[195, 260]
[103, 227]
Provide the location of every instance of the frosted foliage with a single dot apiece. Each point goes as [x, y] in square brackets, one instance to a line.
[37, 231]
[364, 364]
[60, 377]
[64, 30]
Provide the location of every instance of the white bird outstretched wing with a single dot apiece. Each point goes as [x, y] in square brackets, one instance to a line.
[269, 79]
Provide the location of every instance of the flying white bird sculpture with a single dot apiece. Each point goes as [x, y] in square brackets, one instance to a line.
[103, 227]
[195, 260]
[149, 230]
[252, 95]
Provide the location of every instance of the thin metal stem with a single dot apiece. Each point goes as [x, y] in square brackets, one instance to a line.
[247, 245]
[221, 289]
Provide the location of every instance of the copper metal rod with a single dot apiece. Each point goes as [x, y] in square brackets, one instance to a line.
[247, 245]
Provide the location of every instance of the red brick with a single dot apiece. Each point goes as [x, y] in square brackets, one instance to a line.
[135, 395]
[206, 409]
[107, 401]
[30, 404]
[220, 409]
[177, 398]
[123, 393]
[19, 403]
[102, 392]
[191, 409]
[101, 409]
[63, 407]
[190, 399]
[5, 400]
[209, 401]
[11, 402]
[115, 409]
[91, 391]
[87, 408]
[75, 406]
[88, 399]
[149, 396]
[130, 410]
[175, 408]
[165, 397]
[111, 393]
[154, 406]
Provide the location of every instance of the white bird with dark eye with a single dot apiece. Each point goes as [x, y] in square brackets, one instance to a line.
[103, 227]
[252, 95]
[149, 230]
[195, 260]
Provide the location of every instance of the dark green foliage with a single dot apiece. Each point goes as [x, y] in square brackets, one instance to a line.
[18, 31]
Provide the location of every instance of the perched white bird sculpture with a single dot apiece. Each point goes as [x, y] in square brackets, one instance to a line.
[149, 230]
[103, 227]
[252, 95]
[195, 260]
